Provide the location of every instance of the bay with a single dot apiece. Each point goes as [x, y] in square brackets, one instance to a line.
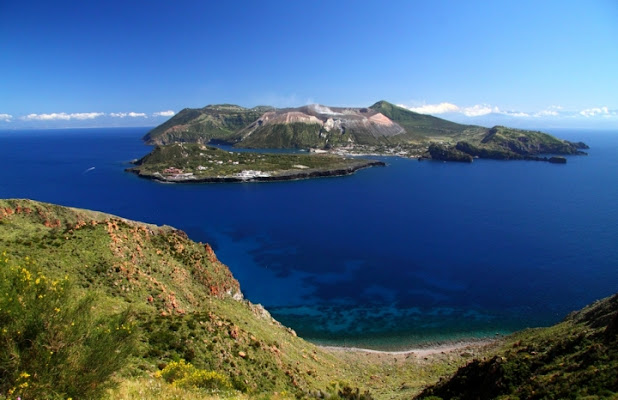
[413, 253]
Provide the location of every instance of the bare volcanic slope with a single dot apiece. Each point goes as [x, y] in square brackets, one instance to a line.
[320, 126]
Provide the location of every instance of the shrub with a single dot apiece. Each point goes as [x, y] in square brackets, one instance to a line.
[185, 375]
[53, 341]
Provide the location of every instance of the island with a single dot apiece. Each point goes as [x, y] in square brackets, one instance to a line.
[198, 163]
[383, 128]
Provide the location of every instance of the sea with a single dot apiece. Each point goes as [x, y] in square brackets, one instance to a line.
[407, 255]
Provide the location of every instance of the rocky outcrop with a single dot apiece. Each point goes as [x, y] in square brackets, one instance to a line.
[444, 153]
[557, 160]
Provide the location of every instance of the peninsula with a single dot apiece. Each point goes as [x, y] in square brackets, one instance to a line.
[198, 163]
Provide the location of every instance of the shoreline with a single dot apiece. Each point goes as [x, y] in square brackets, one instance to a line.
[440, 348]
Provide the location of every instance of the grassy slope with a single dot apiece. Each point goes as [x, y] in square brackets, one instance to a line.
[577, 358]
[189, 156]
[294, 135]
[180, 292]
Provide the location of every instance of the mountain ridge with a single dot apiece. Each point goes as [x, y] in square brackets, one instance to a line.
[327, 126]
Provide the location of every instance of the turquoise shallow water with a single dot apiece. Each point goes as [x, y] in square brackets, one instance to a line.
[413, 253]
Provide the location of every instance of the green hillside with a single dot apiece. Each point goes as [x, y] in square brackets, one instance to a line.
[507, 143]
[576, 359]
[219, 122]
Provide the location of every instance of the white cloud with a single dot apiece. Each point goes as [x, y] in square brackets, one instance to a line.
[514, 113]
[592, 112]
[480, 109]
[6, 117]
[62, 116]
[168, 113]
[445, 108]
[477, 110]
[552, 111]
[129, 114]
[86, 115]
[434, 108]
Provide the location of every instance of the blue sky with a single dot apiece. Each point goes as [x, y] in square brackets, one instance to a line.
[123, 63]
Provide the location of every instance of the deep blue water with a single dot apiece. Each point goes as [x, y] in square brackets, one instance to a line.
[390, 257]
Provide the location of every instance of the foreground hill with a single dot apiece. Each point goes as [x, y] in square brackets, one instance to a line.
[160, 316]
[382, 127]
[185, 303]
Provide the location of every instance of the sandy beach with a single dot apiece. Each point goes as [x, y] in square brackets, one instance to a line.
[422, 351]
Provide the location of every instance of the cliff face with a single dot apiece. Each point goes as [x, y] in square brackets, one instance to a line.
[158, 266]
